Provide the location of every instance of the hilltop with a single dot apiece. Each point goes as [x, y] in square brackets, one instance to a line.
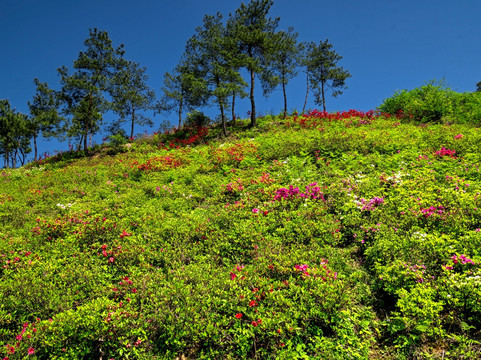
[330, 236]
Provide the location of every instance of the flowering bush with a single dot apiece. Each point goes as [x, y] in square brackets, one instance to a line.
[327, 236]
[445, 152]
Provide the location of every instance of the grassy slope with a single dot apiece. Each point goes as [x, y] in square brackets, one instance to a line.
[160, 252]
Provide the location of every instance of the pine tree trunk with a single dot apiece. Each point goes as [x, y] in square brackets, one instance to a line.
[233, 104]
[22, 159]
[323, 96]
[180, 114]
[80, 143]
[224, 125]
[35, 145]
[86, 130]
[285, 97]
[132, 129]
[253, 104]
[307, 93]
[14, 159]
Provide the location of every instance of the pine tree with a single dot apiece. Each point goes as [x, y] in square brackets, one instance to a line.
[44, 115]
[323, 71]
[14, 135]
[131, 95]
[283, 63]
[212, 52]
[254, 33]
[85, 92]
[183, 90]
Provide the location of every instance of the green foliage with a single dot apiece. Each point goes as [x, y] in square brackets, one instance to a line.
[434, 103]
[342, 237]
[197, 119]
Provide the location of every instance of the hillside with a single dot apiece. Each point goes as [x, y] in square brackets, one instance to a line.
[327, 236]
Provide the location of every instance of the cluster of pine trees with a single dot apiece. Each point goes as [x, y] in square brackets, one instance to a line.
[209, 73]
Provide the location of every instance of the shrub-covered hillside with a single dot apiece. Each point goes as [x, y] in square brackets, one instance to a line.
[325, 236]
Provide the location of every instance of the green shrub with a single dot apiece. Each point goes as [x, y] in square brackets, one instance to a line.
[428, 103]
[197, 119]
[434, 103]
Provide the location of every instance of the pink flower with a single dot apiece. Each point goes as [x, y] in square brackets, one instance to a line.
[459, 136]
[31, 351]
[301, 267]
[232, 276]
[255, 210]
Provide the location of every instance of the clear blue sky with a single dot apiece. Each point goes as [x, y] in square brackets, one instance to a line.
[387, 45]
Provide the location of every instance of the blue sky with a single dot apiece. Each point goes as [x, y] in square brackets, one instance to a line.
[387, 45]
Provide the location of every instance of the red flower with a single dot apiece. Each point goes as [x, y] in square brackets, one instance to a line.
[254, 323]
[124, 233]
[238, 316]
[252, 303]
[31, 351]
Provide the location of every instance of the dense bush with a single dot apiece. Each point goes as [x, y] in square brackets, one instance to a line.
[434, 103]
[197, 119]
